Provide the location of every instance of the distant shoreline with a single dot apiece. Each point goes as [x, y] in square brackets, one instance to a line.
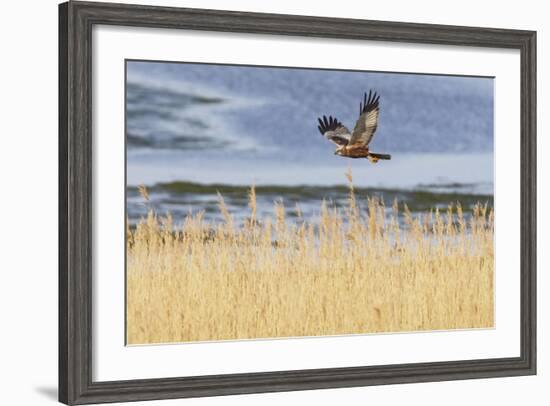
[183, 197]
[305, 189]
[404, 171]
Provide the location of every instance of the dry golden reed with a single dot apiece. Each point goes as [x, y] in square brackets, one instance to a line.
[350, 273]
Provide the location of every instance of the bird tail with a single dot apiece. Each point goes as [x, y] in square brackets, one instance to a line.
[380, 156]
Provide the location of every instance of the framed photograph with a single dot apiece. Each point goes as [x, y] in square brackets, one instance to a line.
[257, 202]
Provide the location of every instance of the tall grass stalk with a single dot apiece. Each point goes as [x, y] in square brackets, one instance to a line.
[361, 271]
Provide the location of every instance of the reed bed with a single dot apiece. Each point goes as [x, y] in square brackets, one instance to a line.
[352, 271]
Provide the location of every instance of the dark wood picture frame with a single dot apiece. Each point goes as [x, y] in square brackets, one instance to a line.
[76, 20]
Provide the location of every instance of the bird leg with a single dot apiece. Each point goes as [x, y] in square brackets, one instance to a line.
[377, 156]
[372, 159]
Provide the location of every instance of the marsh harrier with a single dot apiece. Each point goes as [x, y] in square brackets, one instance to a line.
[355, 144]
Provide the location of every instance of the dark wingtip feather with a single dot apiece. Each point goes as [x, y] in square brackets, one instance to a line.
[328, 124]
[370, 102]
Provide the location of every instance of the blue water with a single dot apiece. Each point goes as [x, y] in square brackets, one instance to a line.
[240, 125]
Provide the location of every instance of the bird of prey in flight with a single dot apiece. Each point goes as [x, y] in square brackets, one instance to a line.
[355, 144]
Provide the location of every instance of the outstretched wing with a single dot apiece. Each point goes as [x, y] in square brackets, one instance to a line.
[334, 130]
[365, 127]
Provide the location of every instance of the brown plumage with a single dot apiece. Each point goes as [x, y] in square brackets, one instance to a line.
[355, 144]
